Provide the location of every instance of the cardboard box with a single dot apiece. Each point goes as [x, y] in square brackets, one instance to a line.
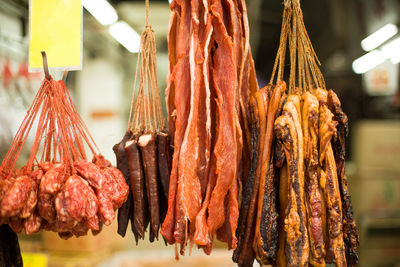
[376, 145]
[379, 236]
[375, 191]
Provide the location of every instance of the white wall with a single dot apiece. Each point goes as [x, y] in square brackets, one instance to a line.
[100, 90]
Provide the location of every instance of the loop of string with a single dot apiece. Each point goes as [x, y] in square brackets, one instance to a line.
[304, 72]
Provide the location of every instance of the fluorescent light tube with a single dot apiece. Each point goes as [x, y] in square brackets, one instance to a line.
[101, 10]
[126, 36]
[368, 62]
[379, 37]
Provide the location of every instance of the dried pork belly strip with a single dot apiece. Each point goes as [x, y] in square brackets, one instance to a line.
[283, 204]
[264, 243]
[244, 254]
[247, 84]
[189, 182]
[170, 90]
[202, 236]
[172, 228]
[330, 183]
[314, 198]
[350, 232]
[234, 31]
[269, 223]
[282, 176]
[245, 121]
[233, 214]
[136, 177]
[224, 74]
[203, 57]
[223, 232]
[288, 129]
[147, 144]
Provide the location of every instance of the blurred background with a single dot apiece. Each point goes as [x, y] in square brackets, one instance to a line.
[363, 71]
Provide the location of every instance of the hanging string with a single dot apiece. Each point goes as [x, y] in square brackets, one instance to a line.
[305, 73]
[147, 13]
[145, 111]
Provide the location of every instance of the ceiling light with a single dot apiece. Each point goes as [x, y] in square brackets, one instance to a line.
[379, 37]
[126, 36]
[101, 10]
[368, 62]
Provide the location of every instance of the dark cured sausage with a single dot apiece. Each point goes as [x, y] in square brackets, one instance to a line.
[164, 161]
[122, 165]
[147, 144]
[164, 168]
[136, 177]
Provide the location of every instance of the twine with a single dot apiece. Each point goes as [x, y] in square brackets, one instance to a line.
[305, 74]
[145, 112]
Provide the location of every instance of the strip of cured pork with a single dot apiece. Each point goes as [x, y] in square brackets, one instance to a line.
[330, 183]
[244, 254]
[265, 241]
[350, 232]
[314, 197]
[211, 72]
[181, 80]
[287, 128]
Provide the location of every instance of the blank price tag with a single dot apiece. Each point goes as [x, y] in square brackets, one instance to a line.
[56, 28]
[34, 259]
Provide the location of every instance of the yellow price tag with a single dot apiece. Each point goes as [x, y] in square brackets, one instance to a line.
[34, 259]
[56, 28]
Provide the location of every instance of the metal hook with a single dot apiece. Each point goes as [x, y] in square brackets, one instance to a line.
[45, 67]
[64, 77]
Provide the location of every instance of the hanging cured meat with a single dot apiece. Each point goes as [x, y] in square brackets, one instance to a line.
[296, 208]
[58, 189]
[143, 155]
[350, 232]
[211, 77]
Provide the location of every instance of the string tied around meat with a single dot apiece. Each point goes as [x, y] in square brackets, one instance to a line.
[60, 130]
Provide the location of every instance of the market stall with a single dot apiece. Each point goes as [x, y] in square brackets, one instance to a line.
[175, 146]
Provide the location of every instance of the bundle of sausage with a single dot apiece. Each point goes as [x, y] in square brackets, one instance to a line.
[211, 77]
[58, 189]
[143, 155]
[296, 208]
